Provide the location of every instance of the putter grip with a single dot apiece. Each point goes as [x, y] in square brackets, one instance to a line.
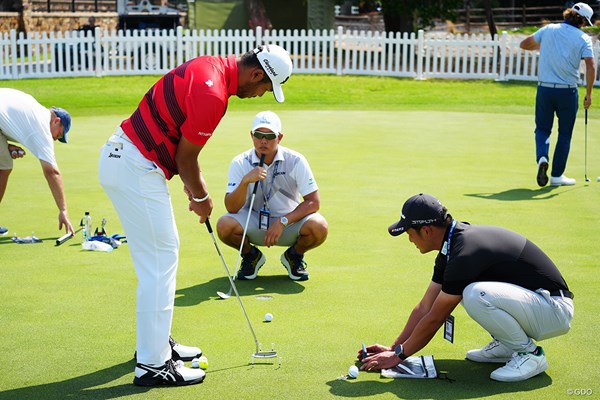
[207, 222]
[262, 162]
[63, 238]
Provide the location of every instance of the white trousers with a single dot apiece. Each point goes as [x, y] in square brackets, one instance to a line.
[139, 193]
[514, 315]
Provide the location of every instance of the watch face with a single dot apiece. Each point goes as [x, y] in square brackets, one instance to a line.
[398, 350]
[284, 221]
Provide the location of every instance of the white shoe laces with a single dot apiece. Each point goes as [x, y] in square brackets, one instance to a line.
[491, 345]
[516, 360]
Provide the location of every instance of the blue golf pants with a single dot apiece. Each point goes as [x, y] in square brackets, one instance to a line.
[563, 102]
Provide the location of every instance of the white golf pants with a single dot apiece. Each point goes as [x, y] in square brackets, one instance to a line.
[514, 315]
[139, 193]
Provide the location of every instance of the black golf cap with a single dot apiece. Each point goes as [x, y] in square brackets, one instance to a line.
[421, 209]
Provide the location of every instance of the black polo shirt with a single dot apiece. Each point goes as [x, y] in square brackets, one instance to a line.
[480, 253]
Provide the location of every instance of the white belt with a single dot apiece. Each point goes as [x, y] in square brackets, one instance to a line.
[122, 135]
[556, 85]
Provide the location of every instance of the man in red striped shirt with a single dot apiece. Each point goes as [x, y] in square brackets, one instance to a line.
[163, 138]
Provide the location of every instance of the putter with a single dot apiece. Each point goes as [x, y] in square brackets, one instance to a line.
[227, 295]
[258, 353]
[585, 162]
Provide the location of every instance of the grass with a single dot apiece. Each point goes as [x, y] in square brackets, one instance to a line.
[67, 327]
[120, 95]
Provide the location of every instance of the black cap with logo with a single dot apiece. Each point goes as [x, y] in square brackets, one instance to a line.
[421, 209]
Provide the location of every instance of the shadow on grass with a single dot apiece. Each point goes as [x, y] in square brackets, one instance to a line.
[471, 380]
[90, 386]
[520, 194]
[8, 240]
[261, 286]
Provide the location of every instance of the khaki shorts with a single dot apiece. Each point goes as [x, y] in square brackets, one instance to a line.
[256, 236]
[6, 161]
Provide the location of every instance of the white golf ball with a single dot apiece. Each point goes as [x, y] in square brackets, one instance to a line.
[196, 363]
[353, 372]
[203, 362]
[268, 317]
[598, 179]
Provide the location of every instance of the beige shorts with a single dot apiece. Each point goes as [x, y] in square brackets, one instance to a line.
[6, 160]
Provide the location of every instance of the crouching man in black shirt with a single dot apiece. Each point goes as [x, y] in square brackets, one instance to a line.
[505, 282]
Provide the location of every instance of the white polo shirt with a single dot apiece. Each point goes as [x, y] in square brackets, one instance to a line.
[288, 177]
[23, 120]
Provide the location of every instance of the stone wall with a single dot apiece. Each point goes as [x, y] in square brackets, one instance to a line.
[9, 20]
[362, 22]
[66, 21]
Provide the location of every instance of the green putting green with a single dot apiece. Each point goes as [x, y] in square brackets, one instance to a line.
[67, 319]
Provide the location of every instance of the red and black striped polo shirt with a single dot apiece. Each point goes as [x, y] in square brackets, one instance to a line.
[190, 100]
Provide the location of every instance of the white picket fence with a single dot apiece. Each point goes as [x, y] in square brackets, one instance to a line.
[419, 56]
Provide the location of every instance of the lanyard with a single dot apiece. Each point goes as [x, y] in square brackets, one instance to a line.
[446, 247]
[267, 196]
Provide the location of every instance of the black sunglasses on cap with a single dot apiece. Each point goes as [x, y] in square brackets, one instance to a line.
[264, 135]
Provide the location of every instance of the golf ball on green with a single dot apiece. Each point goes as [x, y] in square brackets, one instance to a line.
[353, 372]
[203, 362]
[268, 317]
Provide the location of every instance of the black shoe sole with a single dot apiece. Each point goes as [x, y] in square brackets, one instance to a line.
[542, 175]
[159, 382]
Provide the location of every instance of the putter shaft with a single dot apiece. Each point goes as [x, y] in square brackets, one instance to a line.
[232, 283]
[585, 158]
[239, 258]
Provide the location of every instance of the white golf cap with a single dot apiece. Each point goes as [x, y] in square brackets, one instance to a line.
[277, 63]
[584, 10]
[267, 119]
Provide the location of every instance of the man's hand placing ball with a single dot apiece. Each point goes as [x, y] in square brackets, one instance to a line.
[378, 358]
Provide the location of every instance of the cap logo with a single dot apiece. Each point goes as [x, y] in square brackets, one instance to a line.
[269, 67]
[423, 221]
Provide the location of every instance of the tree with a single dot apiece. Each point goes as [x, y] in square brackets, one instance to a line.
[411, 15]
[489, 17]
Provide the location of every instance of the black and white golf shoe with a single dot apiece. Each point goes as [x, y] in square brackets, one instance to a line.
[295, 265]
[184, 353]
[171, 373]
[542, 173]
[251, 263]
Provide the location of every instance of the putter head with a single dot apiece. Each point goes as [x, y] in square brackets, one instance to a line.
[259, 353]
[224, 296]
[265, 354]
